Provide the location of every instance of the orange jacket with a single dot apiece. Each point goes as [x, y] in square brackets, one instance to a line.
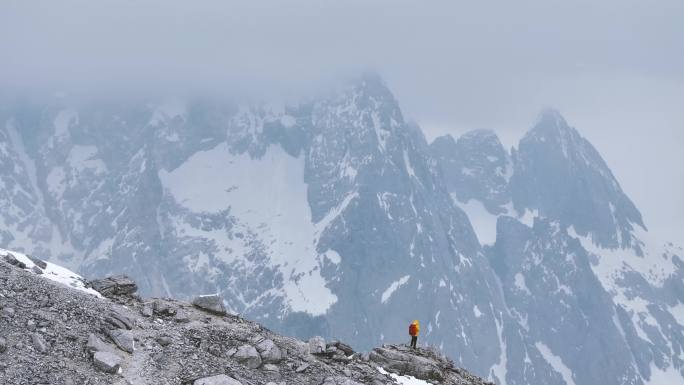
[414, 328]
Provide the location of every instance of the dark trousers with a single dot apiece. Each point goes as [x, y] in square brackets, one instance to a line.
[414, 341]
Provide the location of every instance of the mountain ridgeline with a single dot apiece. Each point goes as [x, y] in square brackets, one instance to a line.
[336, 217]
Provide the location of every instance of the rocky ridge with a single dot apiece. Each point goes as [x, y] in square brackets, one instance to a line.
[54, 334]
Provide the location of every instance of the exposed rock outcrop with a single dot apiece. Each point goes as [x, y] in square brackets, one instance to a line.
[115, 286]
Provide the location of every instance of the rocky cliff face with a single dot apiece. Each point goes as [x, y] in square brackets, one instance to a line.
[335, 217]
[56, 334]
[573, 258]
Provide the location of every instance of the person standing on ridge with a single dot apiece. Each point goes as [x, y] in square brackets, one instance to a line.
[414, 329]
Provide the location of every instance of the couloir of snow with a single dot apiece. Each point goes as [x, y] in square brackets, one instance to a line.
[54, 273]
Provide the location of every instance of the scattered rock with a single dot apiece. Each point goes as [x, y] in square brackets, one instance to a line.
[221, 379]
[37, 269]
[146, 311]
[210, 303]
[38, 262]
[119, 285]
[39, 343]
[214, 350]
[331, 350]
[163, 308]
[181, 316]
[12, 260]
[8, 312]
[123, 339]
[269, 351]
[107, 362]
[56, 320]
[164, 340]
[316, 345]
[248, 356]
[338, 380]
[346, 349]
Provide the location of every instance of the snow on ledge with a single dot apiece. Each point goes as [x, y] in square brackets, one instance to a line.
[393, 287]
[404, 380]
[556, 363]
[54, 273]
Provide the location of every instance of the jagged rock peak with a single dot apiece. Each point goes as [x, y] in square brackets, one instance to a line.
[560, 173]
[476, 166]
[552, 128]
[481, 134]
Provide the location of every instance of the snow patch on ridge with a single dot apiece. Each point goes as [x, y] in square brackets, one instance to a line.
[483, 222]
[268, 198]
[655, 266]
[55, 273]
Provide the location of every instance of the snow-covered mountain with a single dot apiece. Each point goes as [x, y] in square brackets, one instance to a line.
[336, 217]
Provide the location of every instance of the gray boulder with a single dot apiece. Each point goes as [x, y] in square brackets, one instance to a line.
[346, 349]
[95, 344]
[12, 260]
[39, 343]
[123, 339]
[147, 311]
[248, 356]
[119, 285]
[119, 320]
[220, 379]
[107, 362]
[269, 351]
[163, 308]
[210, 303]
[164, 340]
[3, 345]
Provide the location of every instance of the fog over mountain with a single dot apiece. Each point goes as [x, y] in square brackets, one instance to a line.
[613, 67]
[510, 174]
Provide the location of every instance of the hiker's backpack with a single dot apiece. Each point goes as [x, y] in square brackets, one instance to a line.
[412, 330]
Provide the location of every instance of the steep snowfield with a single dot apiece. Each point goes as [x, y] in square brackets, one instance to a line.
[54, 273]
[656, 265]
[268, 198]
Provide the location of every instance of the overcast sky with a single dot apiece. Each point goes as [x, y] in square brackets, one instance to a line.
[615, 69]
